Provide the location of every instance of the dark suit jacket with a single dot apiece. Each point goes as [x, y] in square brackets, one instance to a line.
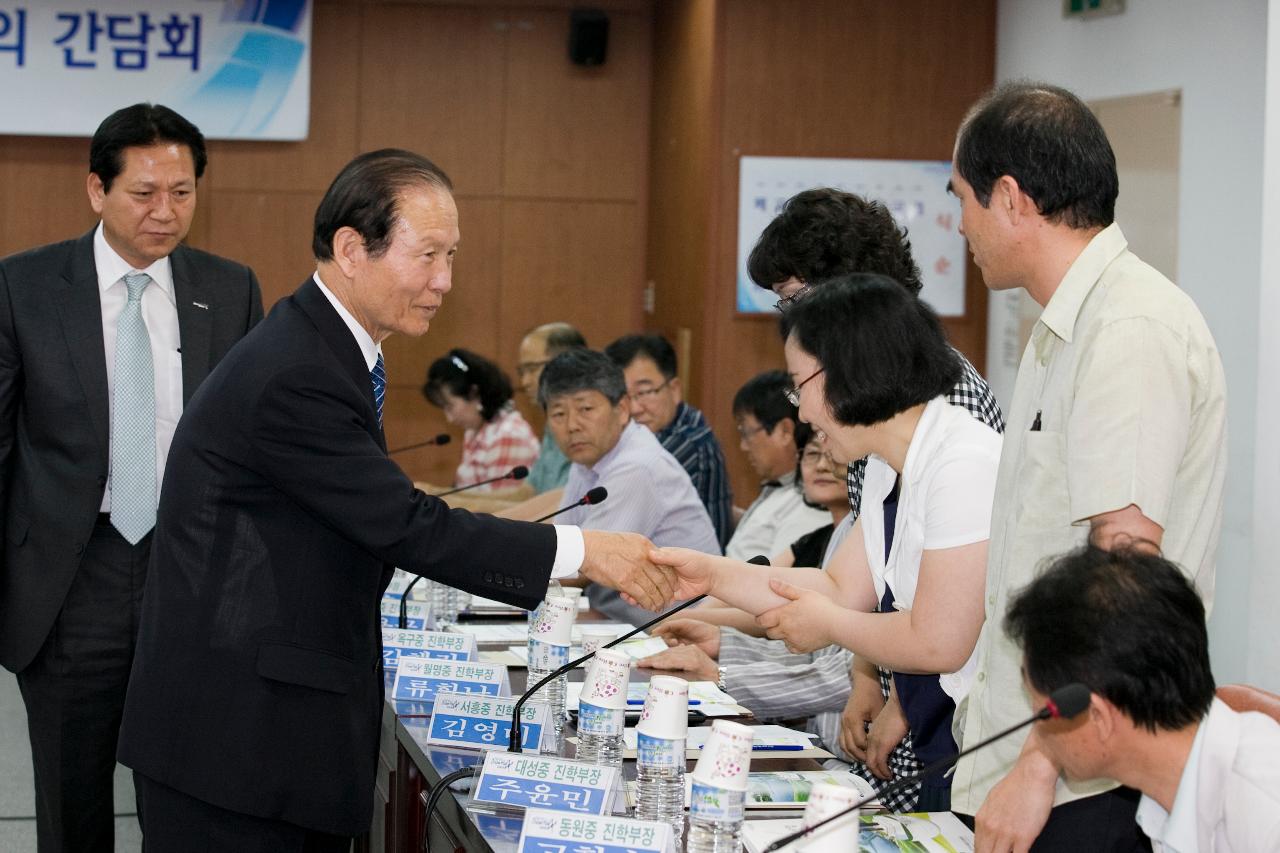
[257, 681]
[54, 422]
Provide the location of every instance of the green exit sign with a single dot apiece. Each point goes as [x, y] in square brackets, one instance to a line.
[1091, 8]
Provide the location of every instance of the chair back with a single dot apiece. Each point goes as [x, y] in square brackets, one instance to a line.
[1242, 697]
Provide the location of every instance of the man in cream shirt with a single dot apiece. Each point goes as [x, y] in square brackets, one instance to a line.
[1116, 433]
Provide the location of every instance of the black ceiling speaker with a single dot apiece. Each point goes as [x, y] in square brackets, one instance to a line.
[588, 36]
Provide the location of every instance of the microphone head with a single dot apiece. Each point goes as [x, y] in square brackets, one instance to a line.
[760, 560]
[595, 496]
[519, 472]
[442, 438]
[1066, 702]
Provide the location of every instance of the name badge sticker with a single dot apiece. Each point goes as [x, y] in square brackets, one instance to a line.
[481, 722]
[554, 832]
[545, 782]
[420, 679]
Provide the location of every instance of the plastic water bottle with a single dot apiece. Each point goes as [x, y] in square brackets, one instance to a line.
[600, 735]
[545, 658]
[715, 820]
[444, 604]
[660, 781]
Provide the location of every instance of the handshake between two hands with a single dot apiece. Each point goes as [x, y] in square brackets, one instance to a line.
[646, 575]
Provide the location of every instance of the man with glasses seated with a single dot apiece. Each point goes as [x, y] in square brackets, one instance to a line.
[767, 421]
[538, 347]
[657, 401]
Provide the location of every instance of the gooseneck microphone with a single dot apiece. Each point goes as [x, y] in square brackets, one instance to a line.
[514, 742]
[594, 496]
[1064, 703]
[517, 473]
[442, 438]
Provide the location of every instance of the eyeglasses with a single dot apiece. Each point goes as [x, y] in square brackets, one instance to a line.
[647, 393]
[745, 433]
[793, 394]
[787, 301]
[526, 367]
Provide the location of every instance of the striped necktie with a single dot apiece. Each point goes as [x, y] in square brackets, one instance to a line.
[379, 378]
[133, 421]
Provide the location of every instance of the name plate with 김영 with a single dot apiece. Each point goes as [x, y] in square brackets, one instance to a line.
[407, 643]
[480, 722]
[417, 614]
[420, 679]
[557, 832]
[545, 782]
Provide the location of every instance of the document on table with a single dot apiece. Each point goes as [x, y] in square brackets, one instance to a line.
[640, 646]
[922, 832]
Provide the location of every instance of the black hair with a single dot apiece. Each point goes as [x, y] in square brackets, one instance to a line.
[882, 350]
[366, 197]
[1047, 140]
[467, 374]
[141, 125]
[824, 233]
[764, 397]
[656, 348]
[581, 369]
[1127, 624]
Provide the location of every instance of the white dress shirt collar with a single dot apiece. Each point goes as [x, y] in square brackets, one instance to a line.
[112, 268]
[368, 348]
[1175, 831]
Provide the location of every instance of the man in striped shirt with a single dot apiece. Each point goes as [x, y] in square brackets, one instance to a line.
[657, 402]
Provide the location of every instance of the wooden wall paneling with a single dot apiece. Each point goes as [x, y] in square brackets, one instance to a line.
[574, 132]
[580, 262]
[269, 231]
[432, 81]
[335, 110]
[42, 191]
[878, 80]
[681, 178]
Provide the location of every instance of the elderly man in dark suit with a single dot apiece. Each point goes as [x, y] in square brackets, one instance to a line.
[103, 340]
[253, 709]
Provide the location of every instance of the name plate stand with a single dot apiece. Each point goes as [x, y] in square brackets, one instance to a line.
[467, 721]
[546, 782]
[408, 643]
[555, 832]
[420, 679]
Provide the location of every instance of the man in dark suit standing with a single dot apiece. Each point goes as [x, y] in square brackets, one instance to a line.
[253, 711]
[103, 340]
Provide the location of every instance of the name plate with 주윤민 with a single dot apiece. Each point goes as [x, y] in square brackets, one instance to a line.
[420, 679]
[417, 614]
[398, 643]
[544, 782]
[482, 722]
[555, 832]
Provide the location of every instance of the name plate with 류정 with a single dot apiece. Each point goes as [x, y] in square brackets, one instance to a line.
[481, 722]
[420, 679]
[417, 614]
[544, 782]
[398, 643]
[556, 832]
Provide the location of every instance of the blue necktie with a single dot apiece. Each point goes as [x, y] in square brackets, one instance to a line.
[379, 378]
[133, 421]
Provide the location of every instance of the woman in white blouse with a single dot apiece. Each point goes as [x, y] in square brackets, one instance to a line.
[870, 365]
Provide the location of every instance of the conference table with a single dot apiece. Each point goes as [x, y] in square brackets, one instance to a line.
[409, 767]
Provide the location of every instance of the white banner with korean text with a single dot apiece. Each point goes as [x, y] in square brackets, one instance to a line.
[238, 69]
[914, 191]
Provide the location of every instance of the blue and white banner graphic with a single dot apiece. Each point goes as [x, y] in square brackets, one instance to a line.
[238, 69]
